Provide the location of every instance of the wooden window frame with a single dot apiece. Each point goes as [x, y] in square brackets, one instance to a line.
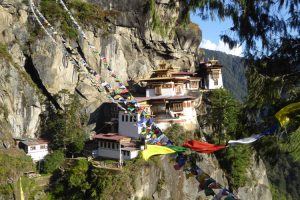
[177, 107]
[216, 82]
[32, 148]
[194, 84]
[157, 90]
[178, 89]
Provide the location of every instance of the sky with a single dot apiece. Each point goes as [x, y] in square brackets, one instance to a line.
[211, 31]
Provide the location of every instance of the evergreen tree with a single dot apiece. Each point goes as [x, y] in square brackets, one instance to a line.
[65, 128]
[268, 22]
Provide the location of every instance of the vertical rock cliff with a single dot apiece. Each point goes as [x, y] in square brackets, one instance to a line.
[133, 46]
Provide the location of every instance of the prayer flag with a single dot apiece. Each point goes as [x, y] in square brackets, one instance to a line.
[202, 147]
[281, 115]
[253, 138]
[178, 149]
[155, 150]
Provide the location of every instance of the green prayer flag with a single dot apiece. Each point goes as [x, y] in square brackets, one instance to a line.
[178, 149]
[209, 192]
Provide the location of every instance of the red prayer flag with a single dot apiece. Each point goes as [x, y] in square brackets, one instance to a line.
[202, 147]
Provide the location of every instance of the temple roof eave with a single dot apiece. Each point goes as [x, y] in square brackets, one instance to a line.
[164, 78]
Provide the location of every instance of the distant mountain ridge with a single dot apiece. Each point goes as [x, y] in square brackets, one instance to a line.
[233, 72]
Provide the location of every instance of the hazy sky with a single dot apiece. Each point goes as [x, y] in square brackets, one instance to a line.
[211, 31]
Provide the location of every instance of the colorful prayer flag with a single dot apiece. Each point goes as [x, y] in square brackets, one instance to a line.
[155, 150]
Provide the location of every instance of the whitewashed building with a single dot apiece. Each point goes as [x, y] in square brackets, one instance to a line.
[166, 93]
[37, 149]
[115, 146]
[127, 123]
[213, 74]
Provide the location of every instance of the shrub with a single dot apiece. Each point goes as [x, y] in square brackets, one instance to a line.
[4, 52]
[88, 14]
[65, 129]
[177, 134]
[55, 13]
[52, 162]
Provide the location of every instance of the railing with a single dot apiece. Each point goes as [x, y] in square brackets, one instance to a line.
[107, 165]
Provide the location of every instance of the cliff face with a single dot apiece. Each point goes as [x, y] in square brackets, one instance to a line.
[132, 47]
[20, 98]
[162, 181]
[34, 70]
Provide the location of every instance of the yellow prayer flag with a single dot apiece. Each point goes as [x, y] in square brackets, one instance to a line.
[155, 150]
[21, 190]
[281, 115]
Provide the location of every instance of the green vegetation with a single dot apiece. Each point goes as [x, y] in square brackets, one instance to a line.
[80, 180]
[31, 189]
[52, 161]
[252, 21]
[88, 14]
[177, 134]
[235, 161]
[64, 129]
[161, 183]
[14, 163]
[271, 87]
[156, 22]
[161, 27]
[71, 183]
[55, 13]
[4, 54]
[91, 14]
[276, 194]
[224, 117]
[292, 145]
[224, 114]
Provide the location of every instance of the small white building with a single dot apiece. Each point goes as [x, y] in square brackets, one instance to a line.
[114, 146]
[213, 74]
[127, 125]
[37, 149]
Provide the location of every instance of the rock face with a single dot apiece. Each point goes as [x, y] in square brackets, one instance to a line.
[258, 186]
[132, 47]
[19, 97]
[20, 100]
[162, 181]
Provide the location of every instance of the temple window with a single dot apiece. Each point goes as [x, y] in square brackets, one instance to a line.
[178, 89]
[157, 90]
[194, 84]
[114, 112]
[188, 104]
[177, 107]
[32, 148]
[216, 82]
